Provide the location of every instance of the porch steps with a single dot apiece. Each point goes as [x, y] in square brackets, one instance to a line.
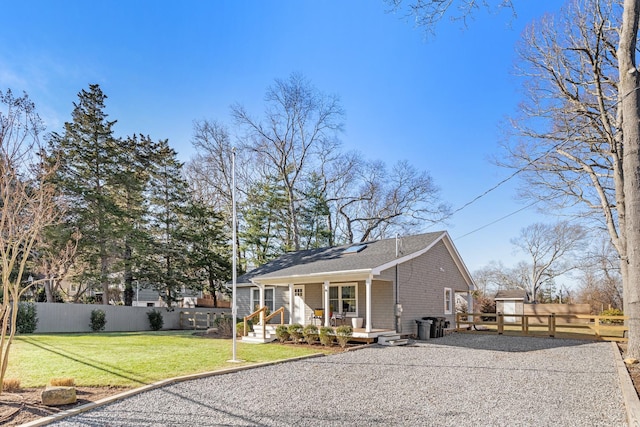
[392, 340]
[256, 337]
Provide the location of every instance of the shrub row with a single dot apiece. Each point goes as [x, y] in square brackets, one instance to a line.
[311, 334]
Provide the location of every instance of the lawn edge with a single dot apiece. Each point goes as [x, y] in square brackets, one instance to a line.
[129, 393]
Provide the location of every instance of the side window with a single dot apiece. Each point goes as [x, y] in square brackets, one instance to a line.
[269, 298]
[448, 301]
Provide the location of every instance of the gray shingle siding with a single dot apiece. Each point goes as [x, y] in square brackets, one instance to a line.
[422, 284]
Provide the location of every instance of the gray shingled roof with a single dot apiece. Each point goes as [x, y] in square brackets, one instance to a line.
[511, 294]
[332, 259]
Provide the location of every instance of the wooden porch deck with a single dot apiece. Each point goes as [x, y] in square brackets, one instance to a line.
[360, 334]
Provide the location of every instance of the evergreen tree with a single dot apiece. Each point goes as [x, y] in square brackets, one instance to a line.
[165, 263]
[264, 233]
[88, 156]
[314, 216]
[132, 182]
[209, 253]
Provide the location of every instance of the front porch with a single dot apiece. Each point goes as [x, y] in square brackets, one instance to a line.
[332, 303]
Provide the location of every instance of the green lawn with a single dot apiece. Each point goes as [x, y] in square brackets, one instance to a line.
[130, 359]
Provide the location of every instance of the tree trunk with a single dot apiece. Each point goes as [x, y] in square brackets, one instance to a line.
[630, 101]
[128, 276]
[48, 289]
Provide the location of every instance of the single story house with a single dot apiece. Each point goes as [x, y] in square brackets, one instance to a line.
[385, 285]
[511, 301]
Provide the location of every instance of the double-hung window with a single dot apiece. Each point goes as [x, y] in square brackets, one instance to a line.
[448, 301]
[344, 298]
[269, 299]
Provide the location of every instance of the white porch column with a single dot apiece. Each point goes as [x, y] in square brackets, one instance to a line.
[327, 318]
[291, 304]
[261, 287]
[368, 308]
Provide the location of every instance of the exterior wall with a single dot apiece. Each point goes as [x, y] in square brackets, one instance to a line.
[519, 308]
[243, 300]
[59, 318]
[421, 287]
[382, 304]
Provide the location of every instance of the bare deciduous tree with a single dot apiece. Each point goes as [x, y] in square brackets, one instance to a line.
[597, 90]
[27, 206]
[551, 251]
[383, 202]
[600, 280]
[299, 124]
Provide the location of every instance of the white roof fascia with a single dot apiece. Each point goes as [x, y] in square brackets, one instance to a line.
[376, 271]
[459, 262]
[333, 276]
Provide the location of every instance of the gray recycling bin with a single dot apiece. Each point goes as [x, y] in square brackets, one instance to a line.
[424, 329]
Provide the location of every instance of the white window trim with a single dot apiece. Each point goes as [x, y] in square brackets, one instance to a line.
[450, 301]
[339, 286]
[254, 302]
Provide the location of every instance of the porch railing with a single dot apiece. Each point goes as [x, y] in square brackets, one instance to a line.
[263, 311]
[610, 328]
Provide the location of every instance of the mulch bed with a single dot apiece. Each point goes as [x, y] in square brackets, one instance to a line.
[24, 405]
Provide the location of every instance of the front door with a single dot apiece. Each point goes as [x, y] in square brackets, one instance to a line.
[298, 305]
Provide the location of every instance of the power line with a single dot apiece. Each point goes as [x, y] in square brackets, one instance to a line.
[510, 177]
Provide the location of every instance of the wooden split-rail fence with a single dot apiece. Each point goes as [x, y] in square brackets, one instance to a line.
[584, 326]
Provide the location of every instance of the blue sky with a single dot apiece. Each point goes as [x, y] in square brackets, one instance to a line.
[437, 103]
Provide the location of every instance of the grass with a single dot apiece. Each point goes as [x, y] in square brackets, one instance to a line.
[130, 359]
[579, 331]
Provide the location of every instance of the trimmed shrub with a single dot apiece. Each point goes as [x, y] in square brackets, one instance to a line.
[155, 320]
[239, 329]
[296, 332]
[310, 333]
[612, 312]
[344, 334]
[98, 320]
[282, 332]
[27, 321]
[326, 336]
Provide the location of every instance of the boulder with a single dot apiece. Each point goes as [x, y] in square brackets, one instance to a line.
[58, 395]
[630, 361]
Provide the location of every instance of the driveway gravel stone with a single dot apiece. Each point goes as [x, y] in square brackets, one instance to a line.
[457, 380]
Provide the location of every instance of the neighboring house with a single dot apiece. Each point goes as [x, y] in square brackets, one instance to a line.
[511, 302]
[385, 284]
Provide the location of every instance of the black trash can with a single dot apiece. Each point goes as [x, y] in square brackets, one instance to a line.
[424, 329]
[436, 329]
[444, 324]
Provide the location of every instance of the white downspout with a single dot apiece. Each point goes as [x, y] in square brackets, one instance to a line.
[327, 319]
[368, 306]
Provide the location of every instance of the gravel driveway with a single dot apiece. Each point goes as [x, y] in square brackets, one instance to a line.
[458, 380]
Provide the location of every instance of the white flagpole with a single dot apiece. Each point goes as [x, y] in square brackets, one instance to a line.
[234, 308]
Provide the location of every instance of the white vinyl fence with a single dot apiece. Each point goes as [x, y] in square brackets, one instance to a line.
[59, 317]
